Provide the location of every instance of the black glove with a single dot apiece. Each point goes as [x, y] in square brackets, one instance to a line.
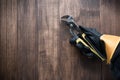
[85, 50]
[94, 37]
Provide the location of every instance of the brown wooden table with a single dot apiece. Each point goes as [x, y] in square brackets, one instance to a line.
[35, 46]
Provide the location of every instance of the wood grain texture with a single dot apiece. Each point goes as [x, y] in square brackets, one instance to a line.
[34, 45]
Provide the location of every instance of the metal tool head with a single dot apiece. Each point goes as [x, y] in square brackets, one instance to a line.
[68, 20]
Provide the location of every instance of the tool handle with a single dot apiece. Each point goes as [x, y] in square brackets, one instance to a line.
[84, 49]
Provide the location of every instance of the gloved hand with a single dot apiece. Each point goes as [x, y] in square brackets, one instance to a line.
[85, 50]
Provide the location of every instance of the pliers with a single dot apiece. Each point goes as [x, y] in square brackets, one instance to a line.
[76, 33]
[80, 39]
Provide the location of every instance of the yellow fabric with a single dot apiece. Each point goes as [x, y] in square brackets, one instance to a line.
[111, 43]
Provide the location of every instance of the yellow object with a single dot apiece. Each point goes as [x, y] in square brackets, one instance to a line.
[111, 43]
[80, 40]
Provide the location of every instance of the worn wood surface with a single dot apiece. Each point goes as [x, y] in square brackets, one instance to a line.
[35, 46]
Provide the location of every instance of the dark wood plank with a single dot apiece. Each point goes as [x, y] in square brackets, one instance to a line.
[11, 39]
[48, 27]
[26, 55]
[90, 17]
[3, 42]
[110, 25]
[86, 14]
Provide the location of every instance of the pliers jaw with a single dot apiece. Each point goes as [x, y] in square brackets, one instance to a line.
[66, 17]
[68, 20]
[73, 27]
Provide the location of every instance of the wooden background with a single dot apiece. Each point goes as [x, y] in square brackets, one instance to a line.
[35, 46]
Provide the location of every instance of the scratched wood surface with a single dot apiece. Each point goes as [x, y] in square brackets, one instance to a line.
[34, 45]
